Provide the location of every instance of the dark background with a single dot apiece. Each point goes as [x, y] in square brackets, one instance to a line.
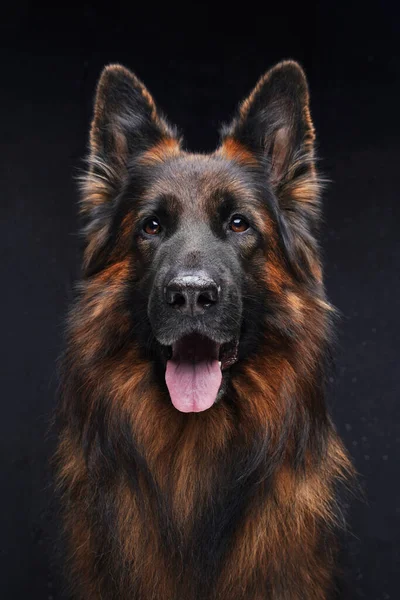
[199, 64]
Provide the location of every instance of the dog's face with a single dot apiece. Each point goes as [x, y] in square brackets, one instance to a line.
[199, 231]
[215, 243]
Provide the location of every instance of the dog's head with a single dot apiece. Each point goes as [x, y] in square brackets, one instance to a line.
[212, 248]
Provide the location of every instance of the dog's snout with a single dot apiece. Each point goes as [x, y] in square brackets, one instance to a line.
[192, 294]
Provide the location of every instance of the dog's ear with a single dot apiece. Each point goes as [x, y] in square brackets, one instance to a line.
[126, 123]
[274, 124]
[126, 127]
[126, 120]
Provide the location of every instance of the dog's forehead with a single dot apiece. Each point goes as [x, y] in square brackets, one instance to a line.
[197, 178]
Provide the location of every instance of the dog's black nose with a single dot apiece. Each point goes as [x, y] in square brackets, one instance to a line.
[192, 294]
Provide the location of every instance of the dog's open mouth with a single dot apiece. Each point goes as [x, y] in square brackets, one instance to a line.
[194, 371]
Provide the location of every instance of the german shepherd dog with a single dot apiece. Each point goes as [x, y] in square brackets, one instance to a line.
[197, 459]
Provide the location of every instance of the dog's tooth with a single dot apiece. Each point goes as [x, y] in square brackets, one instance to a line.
[220, 363]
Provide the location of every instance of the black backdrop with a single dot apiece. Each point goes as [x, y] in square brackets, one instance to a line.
[199, 65]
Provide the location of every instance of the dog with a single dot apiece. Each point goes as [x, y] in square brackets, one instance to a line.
[196, 458]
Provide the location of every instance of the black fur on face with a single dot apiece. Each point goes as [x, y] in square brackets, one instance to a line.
[196, 203]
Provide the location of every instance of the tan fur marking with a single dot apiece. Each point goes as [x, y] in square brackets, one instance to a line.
[233, 150]
[167, 148]
[296, 305]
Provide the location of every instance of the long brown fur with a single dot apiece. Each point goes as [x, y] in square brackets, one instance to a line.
[134, 540]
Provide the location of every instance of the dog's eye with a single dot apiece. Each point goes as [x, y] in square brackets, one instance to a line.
[152, 226]
[238, 224]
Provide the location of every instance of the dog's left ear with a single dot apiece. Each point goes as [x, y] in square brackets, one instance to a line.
[274, 124]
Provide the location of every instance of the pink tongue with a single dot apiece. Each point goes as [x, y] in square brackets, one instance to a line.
[193, 386]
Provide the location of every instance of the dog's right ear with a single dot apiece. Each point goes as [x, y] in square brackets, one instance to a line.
[126, 127]
[125, 124]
